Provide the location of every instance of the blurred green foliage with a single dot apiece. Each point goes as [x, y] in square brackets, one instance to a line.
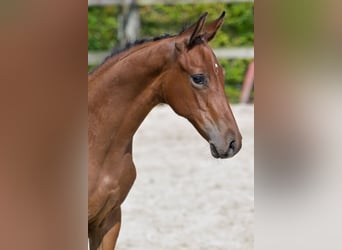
[237, 30]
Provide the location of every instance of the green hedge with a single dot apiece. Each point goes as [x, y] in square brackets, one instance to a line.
[237, 30]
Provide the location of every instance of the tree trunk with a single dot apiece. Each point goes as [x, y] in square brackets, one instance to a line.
[129, 22]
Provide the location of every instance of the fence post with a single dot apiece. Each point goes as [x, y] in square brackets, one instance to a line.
[247, 84]
[129, 22]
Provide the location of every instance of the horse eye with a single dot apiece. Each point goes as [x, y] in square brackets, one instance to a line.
[199, 79]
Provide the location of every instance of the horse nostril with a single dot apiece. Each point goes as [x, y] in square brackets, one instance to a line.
[232, 145]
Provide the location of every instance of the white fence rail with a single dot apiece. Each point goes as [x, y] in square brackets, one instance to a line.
[227, 53]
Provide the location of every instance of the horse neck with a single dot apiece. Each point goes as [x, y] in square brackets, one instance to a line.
[121, 94]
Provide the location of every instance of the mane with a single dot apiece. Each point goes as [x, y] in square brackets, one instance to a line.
[116, 50]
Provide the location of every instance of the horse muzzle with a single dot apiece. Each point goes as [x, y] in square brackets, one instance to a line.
[223, 152]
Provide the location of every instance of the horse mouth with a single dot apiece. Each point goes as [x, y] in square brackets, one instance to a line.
[216, 154]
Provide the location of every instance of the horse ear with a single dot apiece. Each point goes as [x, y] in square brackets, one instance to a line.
[211, 28]
[192, 33]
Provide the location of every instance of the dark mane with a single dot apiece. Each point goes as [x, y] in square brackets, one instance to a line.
[116, 50]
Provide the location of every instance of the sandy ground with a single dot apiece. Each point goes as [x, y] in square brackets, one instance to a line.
[183, 198]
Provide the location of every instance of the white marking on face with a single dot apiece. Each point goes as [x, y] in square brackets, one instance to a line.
[216, 68]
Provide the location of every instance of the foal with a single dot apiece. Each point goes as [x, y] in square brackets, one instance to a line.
[181, 71]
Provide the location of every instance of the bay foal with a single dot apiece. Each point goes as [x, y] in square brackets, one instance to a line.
[181, 71]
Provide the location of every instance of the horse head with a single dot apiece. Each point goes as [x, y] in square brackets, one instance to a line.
[193, 85]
